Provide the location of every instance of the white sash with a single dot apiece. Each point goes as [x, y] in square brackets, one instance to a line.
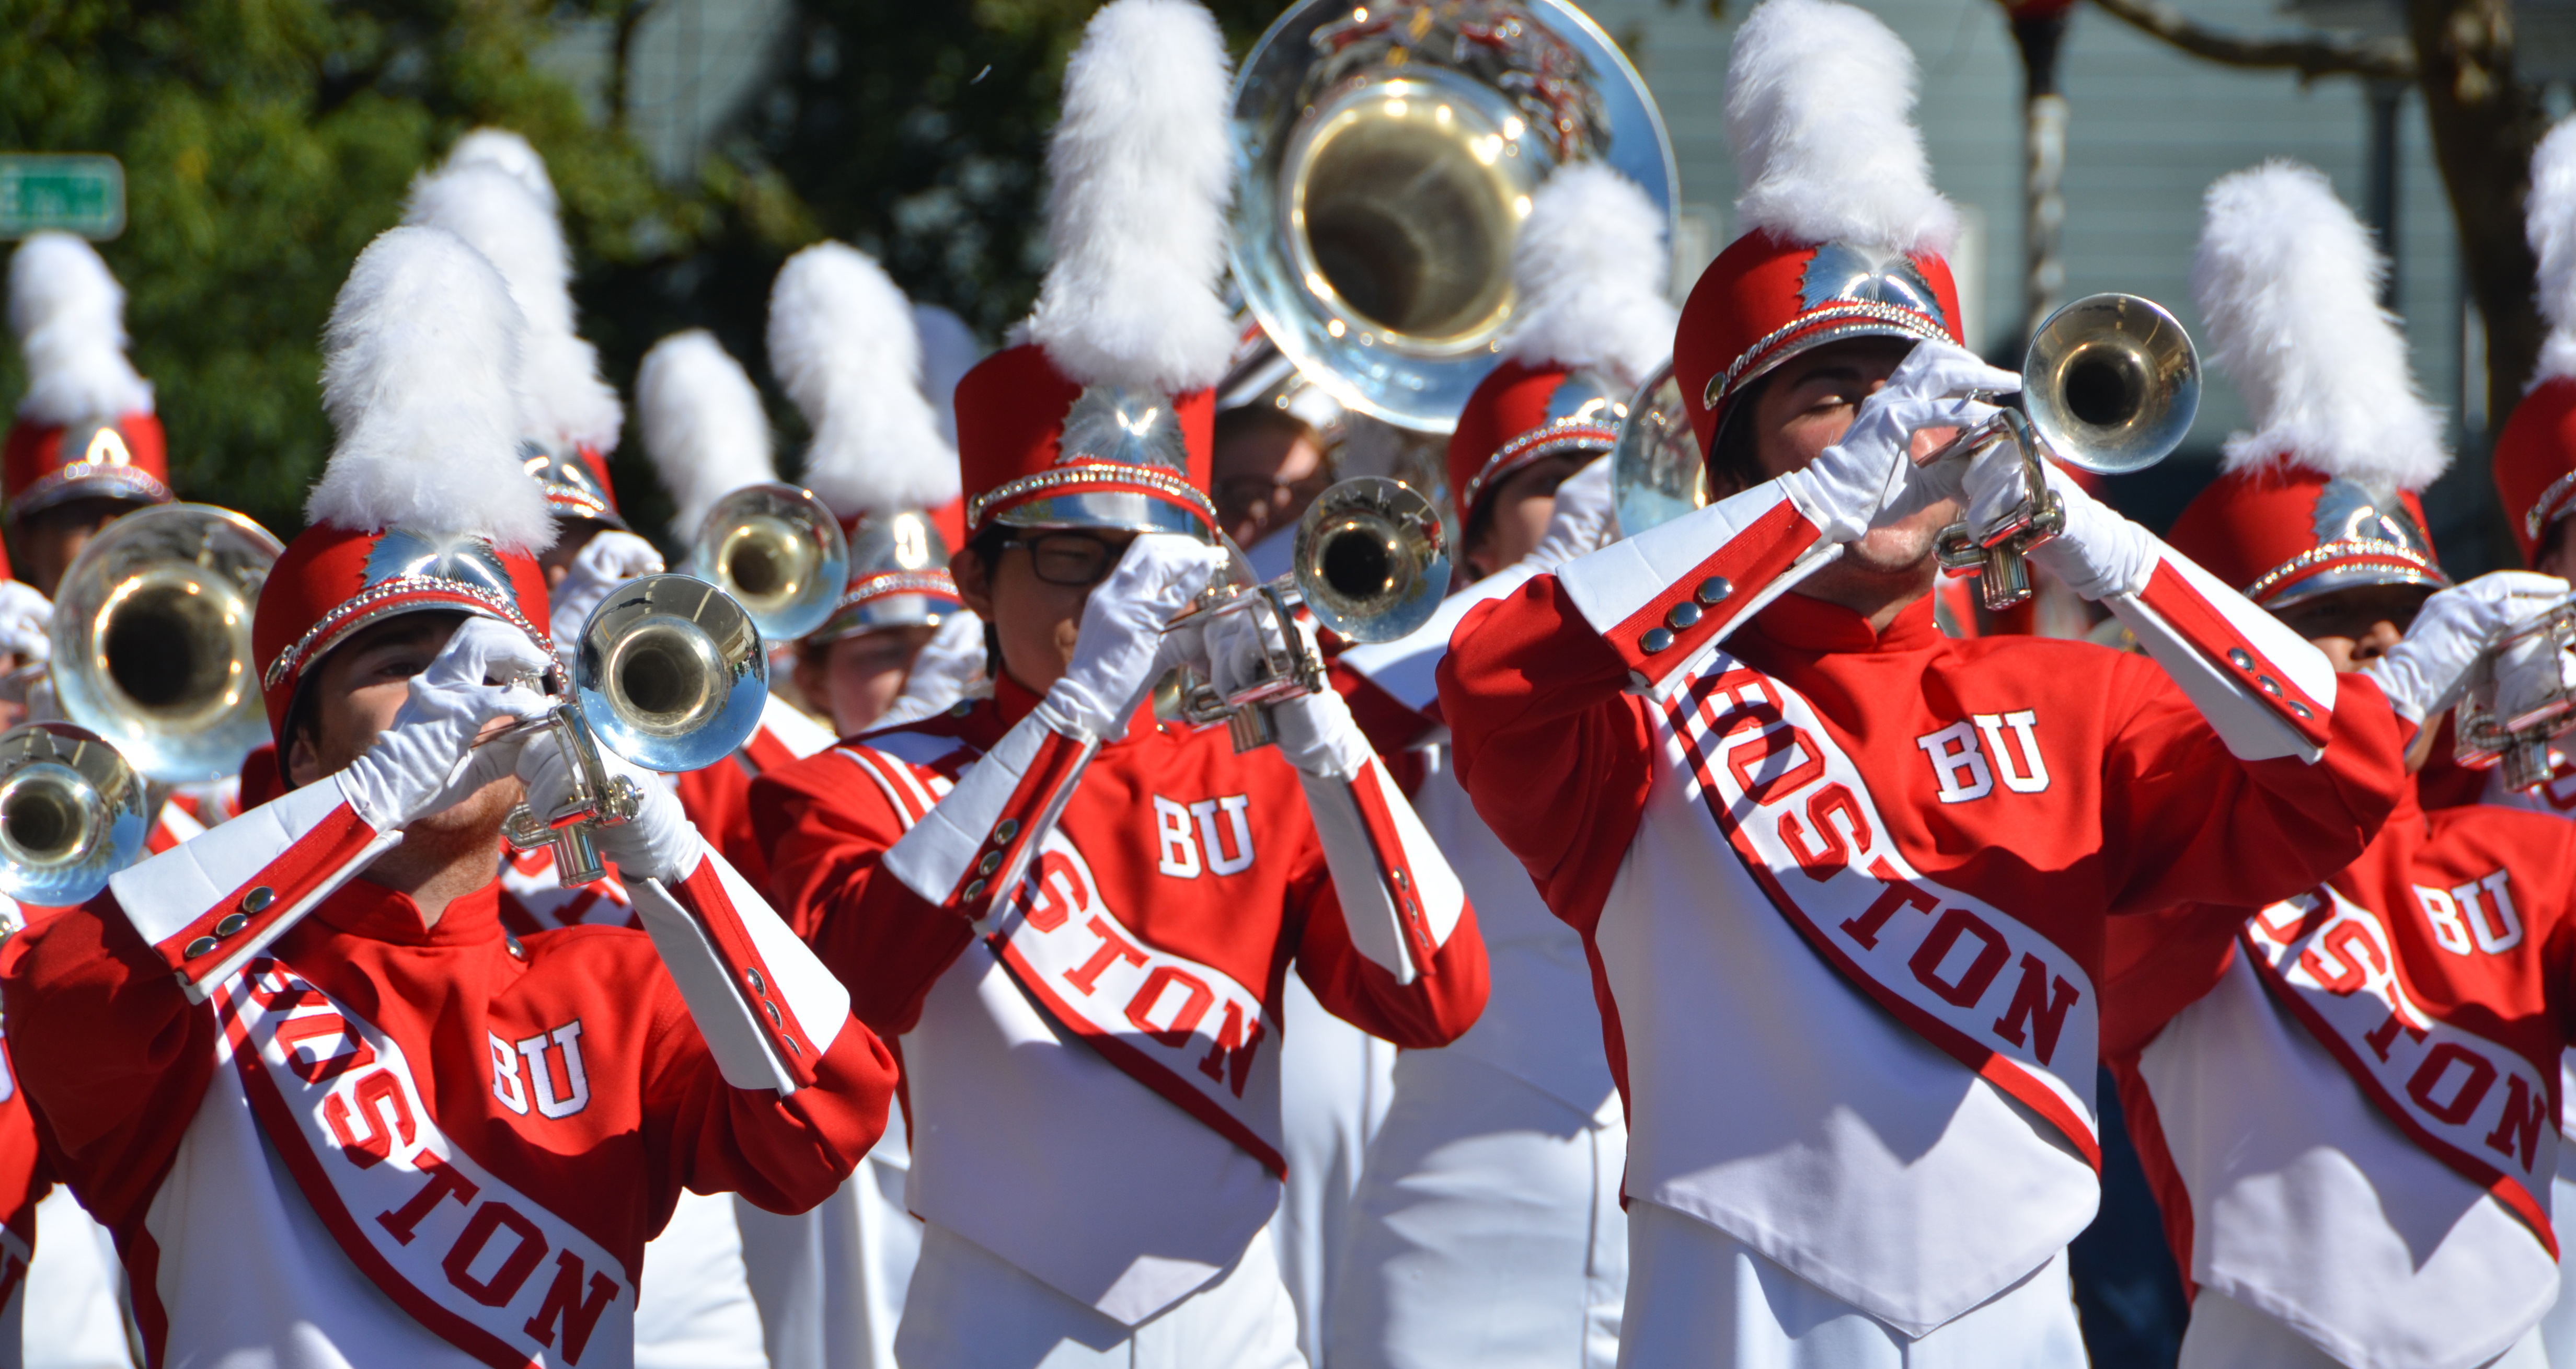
[480, 1264]
[1181, 1027]
[2475, 1105]
[1973, 980]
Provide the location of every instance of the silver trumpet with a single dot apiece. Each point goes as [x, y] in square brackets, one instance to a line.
[668, 673]
[72, 813]
[779, 553]
[2109, 385]
[151, 639]
[1369, 562]
[2518, 731]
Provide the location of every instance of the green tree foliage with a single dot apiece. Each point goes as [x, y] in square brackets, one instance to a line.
[264, 142]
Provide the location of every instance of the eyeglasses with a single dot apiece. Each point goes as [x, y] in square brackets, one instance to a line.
[1077, 559]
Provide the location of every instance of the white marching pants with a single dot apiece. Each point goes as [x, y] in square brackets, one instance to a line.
[693, 1307]
[2227, 1334]
[1700, 1299]
[73, 1298]
[2558, 1324]
[1487, 1230]
[830, 1282]
[1334, 1085]
[971, 1309]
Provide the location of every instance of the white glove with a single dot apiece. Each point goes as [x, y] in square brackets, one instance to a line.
[2424, 674]
[1582, 522]
[950, 667]
[1318, 736]
[1869, 478]
[659, 842]
[1122, 648]
[2100, 553]
[611, 559]
[26, 621]
[426, 761]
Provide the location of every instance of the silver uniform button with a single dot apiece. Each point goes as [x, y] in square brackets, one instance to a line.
[1656, 639]
[1684, 614]
[1714, 589]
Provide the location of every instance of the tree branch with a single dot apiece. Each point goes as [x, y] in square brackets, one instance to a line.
[2309, 54]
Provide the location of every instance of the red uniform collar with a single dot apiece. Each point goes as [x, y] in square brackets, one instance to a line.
[381, 914]
[1813, 625]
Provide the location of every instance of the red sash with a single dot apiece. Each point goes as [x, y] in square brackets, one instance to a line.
[483, 1266]
[1977, 982]
[2477, 1106]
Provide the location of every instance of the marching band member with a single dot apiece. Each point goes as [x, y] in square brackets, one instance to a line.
[1092, 1075]
[2344, 1100]
[1842, 879]
[334, 1112]
[2534, 468]
[1489, 1229]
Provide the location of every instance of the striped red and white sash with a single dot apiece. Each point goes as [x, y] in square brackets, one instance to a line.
[2473, 1104]
[482, 1265]
[1970, 978]
[1181, 1027]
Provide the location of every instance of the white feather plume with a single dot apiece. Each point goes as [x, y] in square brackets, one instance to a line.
[1142, 171]
[2551, 226]
[703, 425]
[499, 147]
[492, 208]
[419, 361]
[69, 315]
[843, 341]
[2288, 286]
[948, 351]
[1820, 113]
[1592, 265]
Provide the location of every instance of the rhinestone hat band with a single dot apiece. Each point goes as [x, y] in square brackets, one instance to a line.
[1163, 484]
[1565, 434]
[2552, 503]
[2317, 558]
[366, 605]
[1848, 319]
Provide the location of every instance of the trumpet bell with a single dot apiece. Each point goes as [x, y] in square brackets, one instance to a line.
[779, 553]
[72, 813]
[2111, 383]
[1389, 152]
[670, 673]
[1370, 560]
[1656, 474]
[151, 639]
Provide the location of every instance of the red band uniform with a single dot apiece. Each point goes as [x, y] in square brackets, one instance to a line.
[1873, 861]
[327, 1134]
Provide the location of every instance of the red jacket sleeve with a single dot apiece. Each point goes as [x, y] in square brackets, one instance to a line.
[1530, 686]
[2206, 827]
[112, 1056]
[828, 830]
[1435, 1009]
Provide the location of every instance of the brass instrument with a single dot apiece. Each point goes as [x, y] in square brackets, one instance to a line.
[151, 639]
[1390, 151]
[1370, 562]
[669, 673]
[779, 553]
[72, 813]
[2110, 385]
[1656, 471]
[2518, 732]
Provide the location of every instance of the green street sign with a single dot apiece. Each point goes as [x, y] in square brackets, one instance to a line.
[77, 193]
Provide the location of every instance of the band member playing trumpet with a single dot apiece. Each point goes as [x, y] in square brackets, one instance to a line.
[2343, 1100]
[331, 1108]
[1079, 917]
[1842, 879]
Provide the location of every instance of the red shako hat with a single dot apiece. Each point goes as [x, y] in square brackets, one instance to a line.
[85, 428]
[847, 346]
[493, 192]
[1593, 324]
[422, 506]
[2321, 496]
[1844, 234]
[1104, 417]
[2535, 455]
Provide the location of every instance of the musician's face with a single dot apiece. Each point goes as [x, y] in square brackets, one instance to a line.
[50, 539]
[361, 685]
[2355, 627]
[1038, 616]
[860, 676]
[1807, 405]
